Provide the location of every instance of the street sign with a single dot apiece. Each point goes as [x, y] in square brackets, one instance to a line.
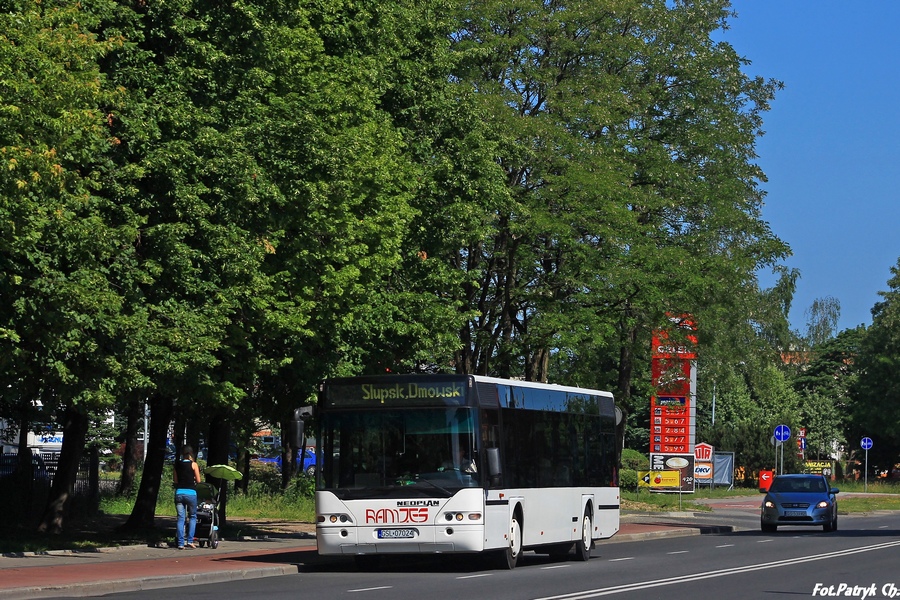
[782, 433]
[866, 443]
[802, 443]
[765, 479]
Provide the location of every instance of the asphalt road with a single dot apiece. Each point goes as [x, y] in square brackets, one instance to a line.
[860, 560]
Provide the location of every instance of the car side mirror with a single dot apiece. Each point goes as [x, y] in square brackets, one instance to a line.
[834, 491]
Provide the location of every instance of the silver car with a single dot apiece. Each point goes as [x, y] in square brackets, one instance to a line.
[799, 500]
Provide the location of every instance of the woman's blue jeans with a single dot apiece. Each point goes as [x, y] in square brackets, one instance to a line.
[185, 501]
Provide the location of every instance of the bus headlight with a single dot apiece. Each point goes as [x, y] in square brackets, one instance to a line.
[343, 518]
[458, 516]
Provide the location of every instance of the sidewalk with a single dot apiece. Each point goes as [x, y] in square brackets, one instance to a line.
[132, 568]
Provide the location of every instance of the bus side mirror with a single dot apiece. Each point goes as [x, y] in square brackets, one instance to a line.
[493, 460]
[298, 425]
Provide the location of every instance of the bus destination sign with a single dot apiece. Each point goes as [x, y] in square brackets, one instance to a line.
[436, 393]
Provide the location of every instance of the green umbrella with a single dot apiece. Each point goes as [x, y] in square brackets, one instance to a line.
[223, 472]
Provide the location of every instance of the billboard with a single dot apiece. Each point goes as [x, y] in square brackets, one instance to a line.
[682, 464]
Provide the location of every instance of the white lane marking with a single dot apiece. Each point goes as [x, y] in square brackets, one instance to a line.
[556, 567]
[642, 585]
[618, 559]
[679, 552]
[474, 576]
[764, 541]
[725, 546]
[372, 589]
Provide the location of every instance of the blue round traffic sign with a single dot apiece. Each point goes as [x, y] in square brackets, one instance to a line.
[782, 433]
[866, 443]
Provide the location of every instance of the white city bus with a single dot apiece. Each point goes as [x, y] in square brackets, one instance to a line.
[414, 464]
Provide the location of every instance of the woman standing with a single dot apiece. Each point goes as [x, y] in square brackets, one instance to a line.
[186, 475]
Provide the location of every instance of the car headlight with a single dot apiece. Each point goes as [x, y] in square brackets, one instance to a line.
[769, 504]
[823, 504]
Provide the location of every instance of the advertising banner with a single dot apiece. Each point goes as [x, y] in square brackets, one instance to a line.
[819, 467]
[723, 468]
[652, 479]
[683, 463]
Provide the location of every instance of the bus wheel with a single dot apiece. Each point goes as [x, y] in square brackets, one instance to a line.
[509, 557]
[583, 548]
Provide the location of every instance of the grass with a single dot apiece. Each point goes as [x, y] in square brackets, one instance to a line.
[887, 497]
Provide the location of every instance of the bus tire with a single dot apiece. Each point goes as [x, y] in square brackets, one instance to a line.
[583, 547]
[509, 557]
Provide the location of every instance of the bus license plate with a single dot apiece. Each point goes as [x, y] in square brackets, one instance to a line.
[394, 534]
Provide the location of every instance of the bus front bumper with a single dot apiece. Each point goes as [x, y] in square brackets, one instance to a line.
[424, 539]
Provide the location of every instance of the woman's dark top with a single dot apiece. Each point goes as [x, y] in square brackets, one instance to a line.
[185, 471]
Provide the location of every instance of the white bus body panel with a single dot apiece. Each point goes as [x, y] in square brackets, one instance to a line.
[549, 516]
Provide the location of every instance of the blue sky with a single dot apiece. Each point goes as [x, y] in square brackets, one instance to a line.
[830, 148]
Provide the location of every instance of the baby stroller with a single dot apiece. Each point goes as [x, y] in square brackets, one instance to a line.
[207, 530]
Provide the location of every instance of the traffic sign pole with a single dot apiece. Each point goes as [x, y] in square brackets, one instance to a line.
[782, 434]
[866, 443]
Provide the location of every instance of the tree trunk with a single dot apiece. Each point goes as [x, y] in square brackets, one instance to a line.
[144, 511]
[178, 432]
[130, 454]
[94, 479]
[63, 489]
[626, 368]
[192, 435]
[218, 455]
[288, 454]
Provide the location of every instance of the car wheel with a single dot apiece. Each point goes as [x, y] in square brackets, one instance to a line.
[831, 526]
[768, 528]
[311, 470]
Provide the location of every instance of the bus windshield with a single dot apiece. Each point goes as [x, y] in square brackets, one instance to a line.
[428, 452]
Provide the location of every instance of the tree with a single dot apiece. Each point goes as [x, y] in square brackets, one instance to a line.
[827, 383]
[617, 210]
[821, 320]
[61, 243]
[875, 412]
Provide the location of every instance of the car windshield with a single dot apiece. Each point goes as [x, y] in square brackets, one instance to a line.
[798, 484]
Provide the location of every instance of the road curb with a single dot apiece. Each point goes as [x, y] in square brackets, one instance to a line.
[146, 583]
[676, 531]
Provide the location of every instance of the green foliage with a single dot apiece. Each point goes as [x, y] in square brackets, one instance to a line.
[219, 204]
[874, 408]
[634, 460]
[628, 479]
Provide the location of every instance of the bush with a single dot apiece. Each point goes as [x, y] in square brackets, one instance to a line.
[634, 460]
[265, 479]
[628, 479]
